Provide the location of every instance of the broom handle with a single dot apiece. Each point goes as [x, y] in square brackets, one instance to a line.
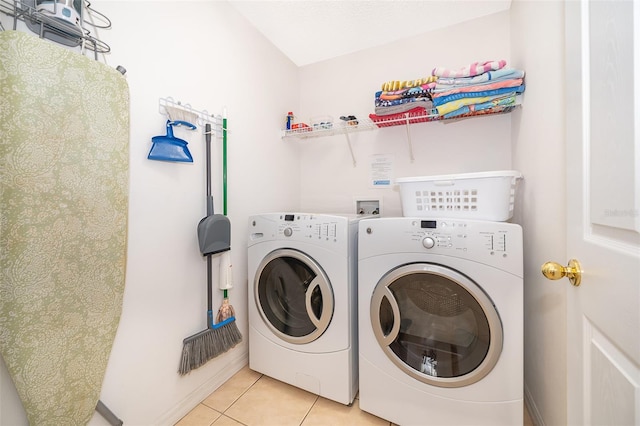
[209, 291]
[207, 134]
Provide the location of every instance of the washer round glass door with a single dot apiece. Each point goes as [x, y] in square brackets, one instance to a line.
[436, 325]
[293, 296]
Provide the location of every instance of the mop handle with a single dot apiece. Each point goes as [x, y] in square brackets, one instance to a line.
[207, 135]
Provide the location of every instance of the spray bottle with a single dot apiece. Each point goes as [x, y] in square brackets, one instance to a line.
[289, 120]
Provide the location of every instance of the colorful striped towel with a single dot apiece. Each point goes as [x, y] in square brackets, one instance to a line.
[497, 75]
[475, 68]
[515, 82]
[443, 100]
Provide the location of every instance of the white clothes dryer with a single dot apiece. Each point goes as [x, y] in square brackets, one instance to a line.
[302, 271]
[441, 321]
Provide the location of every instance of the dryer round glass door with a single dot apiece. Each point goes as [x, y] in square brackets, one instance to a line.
[293, 295]
[436, 325]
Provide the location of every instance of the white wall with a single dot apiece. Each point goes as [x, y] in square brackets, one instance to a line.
[346, 86]
[539, 153]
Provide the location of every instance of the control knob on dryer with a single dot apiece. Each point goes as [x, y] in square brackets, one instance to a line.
[428, 242]
[288, 232]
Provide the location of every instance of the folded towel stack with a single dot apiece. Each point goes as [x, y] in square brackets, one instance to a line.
[480, 88]
[401, 96]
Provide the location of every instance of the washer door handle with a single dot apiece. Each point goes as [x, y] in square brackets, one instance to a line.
[307, 301]
[395, 329]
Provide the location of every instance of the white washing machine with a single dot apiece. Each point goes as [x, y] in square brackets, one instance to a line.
[441, 321]
[302, 271]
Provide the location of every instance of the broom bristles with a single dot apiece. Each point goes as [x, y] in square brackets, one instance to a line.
[198, 349]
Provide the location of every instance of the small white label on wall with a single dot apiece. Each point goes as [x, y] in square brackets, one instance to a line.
[381, 170]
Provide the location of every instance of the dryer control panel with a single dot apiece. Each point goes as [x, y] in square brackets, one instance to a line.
[454, 235]
[496, 243]
[450, 234]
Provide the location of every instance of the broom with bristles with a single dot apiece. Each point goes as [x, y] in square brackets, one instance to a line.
[222, 335]
[219, 337]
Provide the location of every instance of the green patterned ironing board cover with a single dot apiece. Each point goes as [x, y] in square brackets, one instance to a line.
[64, 170]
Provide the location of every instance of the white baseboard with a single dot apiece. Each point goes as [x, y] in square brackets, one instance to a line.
[226, 370]
[536, 418]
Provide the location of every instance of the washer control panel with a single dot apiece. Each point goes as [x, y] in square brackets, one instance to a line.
[328, 230]
[306, 226]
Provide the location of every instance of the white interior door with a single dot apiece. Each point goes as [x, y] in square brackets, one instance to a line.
[603, 204]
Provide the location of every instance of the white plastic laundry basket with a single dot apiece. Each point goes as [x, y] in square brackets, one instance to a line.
[482, 196]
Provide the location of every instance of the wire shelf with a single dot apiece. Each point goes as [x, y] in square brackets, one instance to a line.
[335, 129]
[379, 121]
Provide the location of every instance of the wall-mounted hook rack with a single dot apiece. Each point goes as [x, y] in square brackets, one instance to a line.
[176, 110]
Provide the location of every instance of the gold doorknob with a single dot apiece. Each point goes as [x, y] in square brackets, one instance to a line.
[555, 271]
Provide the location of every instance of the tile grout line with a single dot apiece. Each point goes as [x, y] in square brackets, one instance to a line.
[223, 413]
[309, 410]
[317, 397]
[238, 398]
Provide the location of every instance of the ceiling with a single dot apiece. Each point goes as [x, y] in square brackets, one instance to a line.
[309, 31]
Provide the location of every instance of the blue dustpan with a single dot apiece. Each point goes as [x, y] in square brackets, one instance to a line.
[170, 148]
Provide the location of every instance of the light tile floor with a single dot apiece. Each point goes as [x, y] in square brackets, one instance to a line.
[253, 399]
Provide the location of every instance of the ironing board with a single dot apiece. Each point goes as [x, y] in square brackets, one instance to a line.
[64, 135]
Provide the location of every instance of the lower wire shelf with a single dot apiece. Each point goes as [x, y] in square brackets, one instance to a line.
[401, 119]
[419, 115]
[310, 132]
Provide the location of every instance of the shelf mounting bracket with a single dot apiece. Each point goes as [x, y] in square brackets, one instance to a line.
[409, 138]
[353, 157]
